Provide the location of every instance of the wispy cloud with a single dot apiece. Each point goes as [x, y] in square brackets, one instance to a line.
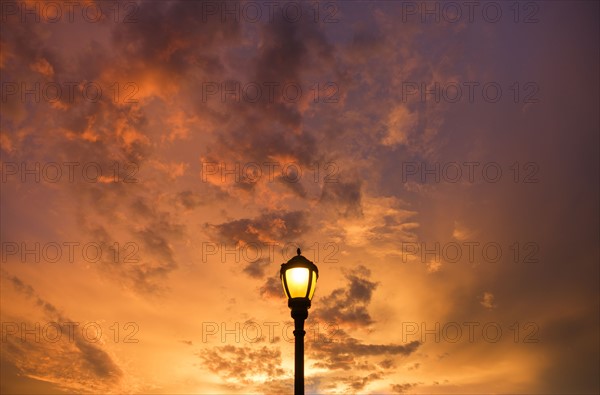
[91, 368]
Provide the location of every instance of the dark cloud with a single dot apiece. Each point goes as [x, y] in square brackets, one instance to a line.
[402, 388]
[340, 351]
[157, 245]
[256, 269]
[366, 42]
[273, 129]
[287, 51]
[272, 287]
[148, 257]
[241, 363]
[284, 52]
[343, 196]
[348, 305]
[28, 290]
[357, 383]
[271, 227]
[20, 285]
[414, 366]
[292, 181]
[98, 360]
[191, 199]
[347, 353]
[174, 36]
[387, 364]
[281, 386]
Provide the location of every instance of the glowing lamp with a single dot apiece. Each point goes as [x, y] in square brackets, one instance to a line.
[299, 279]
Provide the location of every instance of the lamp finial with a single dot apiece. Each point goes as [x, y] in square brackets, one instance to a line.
[298, 250]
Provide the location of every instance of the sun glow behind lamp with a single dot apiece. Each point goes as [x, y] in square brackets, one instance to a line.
[299, 279]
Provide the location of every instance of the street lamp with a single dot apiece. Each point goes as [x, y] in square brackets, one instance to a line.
[299, 279]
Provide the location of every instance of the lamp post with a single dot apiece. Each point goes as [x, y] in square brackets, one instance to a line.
[299, 279]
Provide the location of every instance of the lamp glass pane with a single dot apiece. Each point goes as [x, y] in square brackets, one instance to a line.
[297, 281]
[313, 286]
[283, 286]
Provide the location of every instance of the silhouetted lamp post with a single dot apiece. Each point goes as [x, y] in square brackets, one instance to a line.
[299, 278]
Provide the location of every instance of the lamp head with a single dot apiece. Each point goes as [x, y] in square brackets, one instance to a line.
[299, 279]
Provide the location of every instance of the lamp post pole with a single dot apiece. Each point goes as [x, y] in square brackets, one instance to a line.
[299, 314]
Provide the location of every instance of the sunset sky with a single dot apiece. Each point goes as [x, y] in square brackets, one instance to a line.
[438, 162]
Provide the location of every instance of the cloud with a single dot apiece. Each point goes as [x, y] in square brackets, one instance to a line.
[43, 67]
[256, 269]
[348, 305]
[148, 257]
[189, 199]
[384, 225]
[243, 364]
[462, 233]
[272, 287]
[271, 129]
[357, 383]
[433, 266]
[344, 197]
[296, 187]
[387, 363]
[173, 37]
[415, 366]
[347, 353]
[488, 301]
[402, 388]
[276, 227]
[401, 124]
[354, 347]
[77, 363]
